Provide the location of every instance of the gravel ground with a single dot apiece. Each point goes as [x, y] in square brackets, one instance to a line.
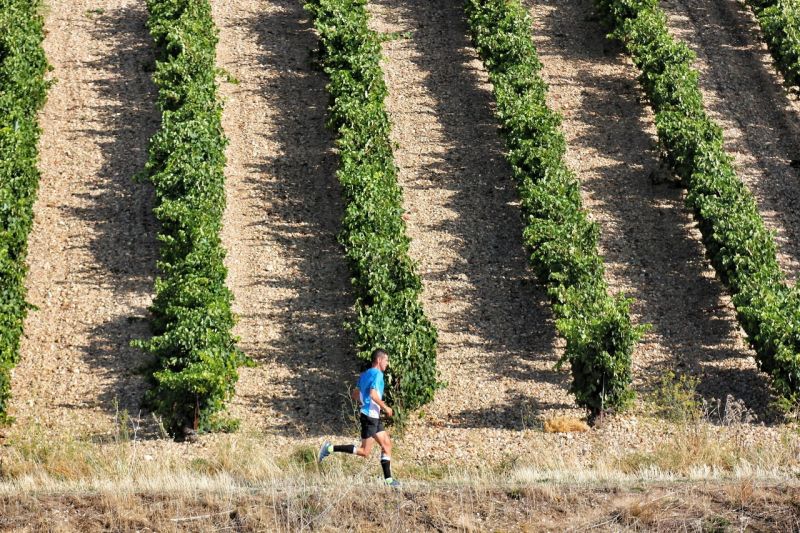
[288, 274]
[92, 249]
[497, 344]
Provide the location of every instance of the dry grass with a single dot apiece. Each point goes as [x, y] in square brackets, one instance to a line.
[700, 476]
[419, 508]
[564, 424]
[33, 461]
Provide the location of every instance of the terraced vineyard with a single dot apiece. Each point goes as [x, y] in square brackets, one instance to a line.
[240, 200]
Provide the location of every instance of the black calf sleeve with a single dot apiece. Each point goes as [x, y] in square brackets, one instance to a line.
[345, 448]
[387, 468]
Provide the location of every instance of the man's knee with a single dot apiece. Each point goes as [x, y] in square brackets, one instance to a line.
[365, 448]
[385, 442]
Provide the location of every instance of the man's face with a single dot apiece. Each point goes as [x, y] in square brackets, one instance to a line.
[383, 363]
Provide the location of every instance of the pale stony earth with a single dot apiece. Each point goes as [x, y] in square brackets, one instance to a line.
[496, 335]
[93, 249]
[290, 280]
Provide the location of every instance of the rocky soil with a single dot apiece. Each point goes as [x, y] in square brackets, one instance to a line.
[92, 250]
[287, 272]
[497, 343]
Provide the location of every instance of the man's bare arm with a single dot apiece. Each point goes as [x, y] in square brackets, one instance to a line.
[355, 394]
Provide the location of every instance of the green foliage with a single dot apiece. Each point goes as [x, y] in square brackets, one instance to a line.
[780, 23]
[676, 398]
[739, 246]
[389, 314]
[196, 353]
[563, 241]
[303, 458]
[22, 93]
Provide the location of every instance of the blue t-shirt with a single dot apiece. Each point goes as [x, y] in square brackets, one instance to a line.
[370, 379]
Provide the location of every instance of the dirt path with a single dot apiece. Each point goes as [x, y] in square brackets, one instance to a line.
[652, 247]
[497, 342]
[92, 249]
[743, 93]
[288, 274]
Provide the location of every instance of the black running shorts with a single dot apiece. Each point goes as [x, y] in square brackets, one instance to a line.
[370, 426]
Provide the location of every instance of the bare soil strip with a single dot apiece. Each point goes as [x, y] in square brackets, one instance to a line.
[287, 271]
[497, 344]
[743, 93]
[652, 247]
[92, 250]
[723, 507]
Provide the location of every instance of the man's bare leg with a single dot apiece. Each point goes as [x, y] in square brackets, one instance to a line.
[386, 457]
[365, 448]
[385, 442]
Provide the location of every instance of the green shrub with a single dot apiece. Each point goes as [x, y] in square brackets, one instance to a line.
[742, 251]
[389, 314]
[196, 353]
[22, 93]
[780, 24]
[563, 241]
[675, 398]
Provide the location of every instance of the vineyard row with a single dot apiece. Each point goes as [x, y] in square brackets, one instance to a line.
[741, 250]
[389, 313]
[562, 240]
[22, 93]
[196, 357]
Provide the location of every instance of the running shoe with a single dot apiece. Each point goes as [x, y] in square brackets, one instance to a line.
[324, 451]
[391, 482]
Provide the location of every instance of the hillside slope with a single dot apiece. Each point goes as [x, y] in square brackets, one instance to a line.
[92, 251]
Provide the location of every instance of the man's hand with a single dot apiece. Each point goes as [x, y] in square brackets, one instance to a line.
[355, 394]
[389, 411]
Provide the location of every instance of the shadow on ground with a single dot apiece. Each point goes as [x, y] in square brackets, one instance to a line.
[119, 210]
[508, 314]
[304, 218]
[517, 412]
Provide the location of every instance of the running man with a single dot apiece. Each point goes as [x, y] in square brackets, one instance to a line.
[369, 393]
